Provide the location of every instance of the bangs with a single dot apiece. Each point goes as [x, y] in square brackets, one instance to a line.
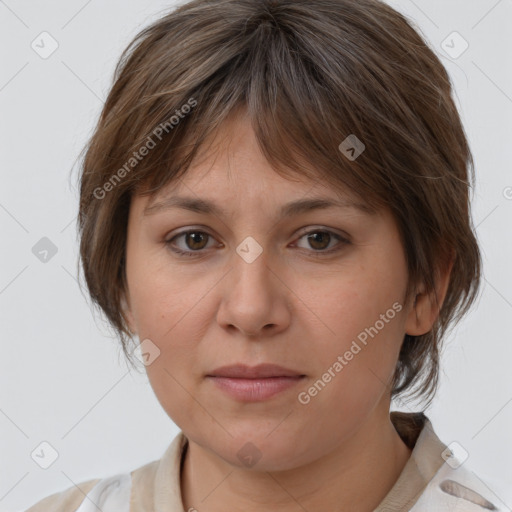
[299, 111]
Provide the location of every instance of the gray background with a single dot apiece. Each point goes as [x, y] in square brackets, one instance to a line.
[62, 375]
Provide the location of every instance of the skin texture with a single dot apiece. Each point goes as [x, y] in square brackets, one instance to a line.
[291, 306]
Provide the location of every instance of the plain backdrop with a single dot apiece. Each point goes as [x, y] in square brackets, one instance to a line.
[63, 379]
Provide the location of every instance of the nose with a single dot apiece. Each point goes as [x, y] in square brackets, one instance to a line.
[255, 298]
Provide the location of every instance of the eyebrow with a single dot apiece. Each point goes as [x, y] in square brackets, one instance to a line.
[290, 209]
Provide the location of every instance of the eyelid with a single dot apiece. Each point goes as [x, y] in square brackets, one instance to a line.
[314, 228]
[168, 241]
[343, 240]
[301, 232]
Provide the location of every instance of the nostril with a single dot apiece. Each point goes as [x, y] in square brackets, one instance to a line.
[460, 491]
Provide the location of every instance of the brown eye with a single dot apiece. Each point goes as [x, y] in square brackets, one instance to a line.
[195, 240]
[319, 239]
[192, 242]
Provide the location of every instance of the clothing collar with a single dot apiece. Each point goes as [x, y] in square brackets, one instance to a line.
[426, 459]
[415, 429]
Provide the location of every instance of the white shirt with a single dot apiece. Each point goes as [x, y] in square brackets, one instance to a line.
[433, 479]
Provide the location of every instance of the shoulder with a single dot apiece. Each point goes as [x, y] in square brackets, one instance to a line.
[134, 491]
[65, 501]
[112, 493]
[458, 488]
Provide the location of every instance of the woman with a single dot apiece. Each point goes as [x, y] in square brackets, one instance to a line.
[275, 201]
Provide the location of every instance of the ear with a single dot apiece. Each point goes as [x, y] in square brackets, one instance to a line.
[424, 310]
[127, 315]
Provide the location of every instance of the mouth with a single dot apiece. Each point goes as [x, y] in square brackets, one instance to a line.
[256, 383]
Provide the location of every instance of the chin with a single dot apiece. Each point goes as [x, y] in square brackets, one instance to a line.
[256, 450]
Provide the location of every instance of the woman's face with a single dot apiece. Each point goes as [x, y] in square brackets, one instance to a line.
[316, 291]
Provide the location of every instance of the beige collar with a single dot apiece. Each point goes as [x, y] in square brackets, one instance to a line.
[414, 428]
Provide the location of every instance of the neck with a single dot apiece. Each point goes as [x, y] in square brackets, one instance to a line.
[356, 475]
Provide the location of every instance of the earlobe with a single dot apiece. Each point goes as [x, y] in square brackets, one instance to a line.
[421, 316]
[424, 310]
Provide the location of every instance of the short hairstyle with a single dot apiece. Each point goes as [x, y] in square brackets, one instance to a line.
[309, 74]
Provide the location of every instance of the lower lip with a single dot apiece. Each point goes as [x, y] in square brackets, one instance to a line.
[255, 390]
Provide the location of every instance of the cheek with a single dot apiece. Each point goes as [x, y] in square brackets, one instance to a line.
[354, 367]
[361, 304]
[162, 296]
[170, 308]
[175, 375]
[361, 321]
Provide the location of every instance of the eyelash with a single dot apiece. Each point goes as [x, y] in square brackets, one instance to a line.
[319, 253]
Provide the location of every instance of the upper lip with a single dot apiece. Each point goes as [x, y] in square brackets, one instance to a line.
[261, 371]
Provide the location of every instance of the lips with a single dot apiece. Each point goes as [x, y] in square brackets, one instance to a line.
[262, 371]
[254, 383]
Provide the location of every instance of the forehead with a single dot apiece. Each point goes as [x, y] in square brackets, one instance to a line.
[231, 169]
[217, 193]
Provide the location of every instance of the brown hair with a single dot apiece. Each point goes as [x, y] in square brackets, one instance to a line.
[309, 74]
